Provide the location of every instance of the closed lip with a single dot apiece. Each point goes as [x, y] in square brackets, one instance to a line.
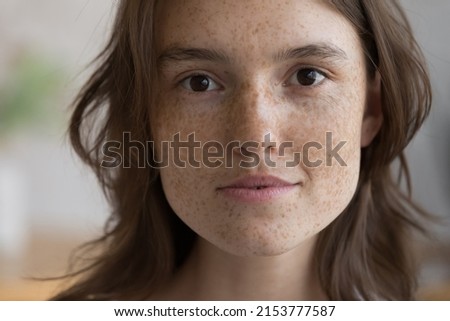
[255, 189]
[258, 181]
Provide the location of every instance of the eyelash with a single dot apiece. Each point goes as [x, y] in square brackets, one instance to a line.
[186, 82]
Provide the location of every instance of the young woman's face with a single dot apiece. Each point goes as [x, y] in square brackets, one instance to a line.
[235, 71]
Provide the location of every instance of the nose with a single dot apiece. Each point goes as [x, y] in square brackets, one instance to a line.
[253, 119]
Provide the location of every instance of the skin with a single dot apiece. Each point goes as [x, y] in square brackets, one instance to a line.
[259, 250]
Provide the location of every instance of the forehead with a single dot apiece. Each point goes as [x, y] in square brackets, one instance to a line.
[246, 26]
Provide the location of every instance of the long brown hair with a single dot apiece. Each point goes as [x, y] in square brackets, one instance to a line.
[361, 255]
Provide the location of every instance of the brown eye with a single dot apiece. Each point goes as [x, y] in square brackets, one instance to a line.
[307, 77]
[199, 83]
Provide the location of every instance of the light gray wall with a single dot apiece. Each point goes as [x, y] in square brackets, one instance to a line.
[429, 153]
[61, 194]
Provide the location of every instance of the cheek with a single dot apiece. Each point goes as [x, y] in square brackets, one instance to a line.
[171, 115]
[180, 187]
[187, 188]
[333, 183]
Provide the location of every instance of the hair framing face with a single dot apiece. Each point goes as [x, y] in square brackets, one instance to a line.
[360, 255]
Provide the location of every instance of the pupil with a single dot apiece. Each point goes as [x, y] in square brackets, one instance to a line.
[199, 83]
[306, 77]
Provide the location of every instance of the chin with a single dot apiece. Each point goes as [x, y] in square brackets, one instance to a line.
[262, 245]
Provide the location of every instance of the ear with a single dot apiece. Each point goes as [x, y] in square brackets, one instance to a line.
[373, 113]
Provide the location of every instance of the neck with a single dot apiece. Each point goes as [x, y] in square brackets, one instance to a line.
[212, 274]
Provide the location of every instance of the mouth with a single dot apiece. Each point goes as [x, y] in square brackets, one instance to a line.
[257, 188]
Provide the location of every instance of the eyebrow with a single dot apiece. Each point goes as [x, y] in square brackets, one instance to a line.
[180, 54]
[319, 50]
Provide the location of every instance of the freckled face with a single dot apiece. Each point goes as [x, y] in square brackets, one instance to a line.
[291, 68]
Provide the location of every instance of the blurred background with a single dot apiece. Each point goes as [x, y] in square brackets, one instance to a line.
[50, 203]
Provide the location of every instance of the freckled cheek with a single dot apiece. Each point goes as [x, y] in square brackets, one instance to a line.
[333, 188]
[169, 118]
[325, 146]
[191, 123]
[174, 122]
[187, 190]
[335, 161]
[333, 184]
